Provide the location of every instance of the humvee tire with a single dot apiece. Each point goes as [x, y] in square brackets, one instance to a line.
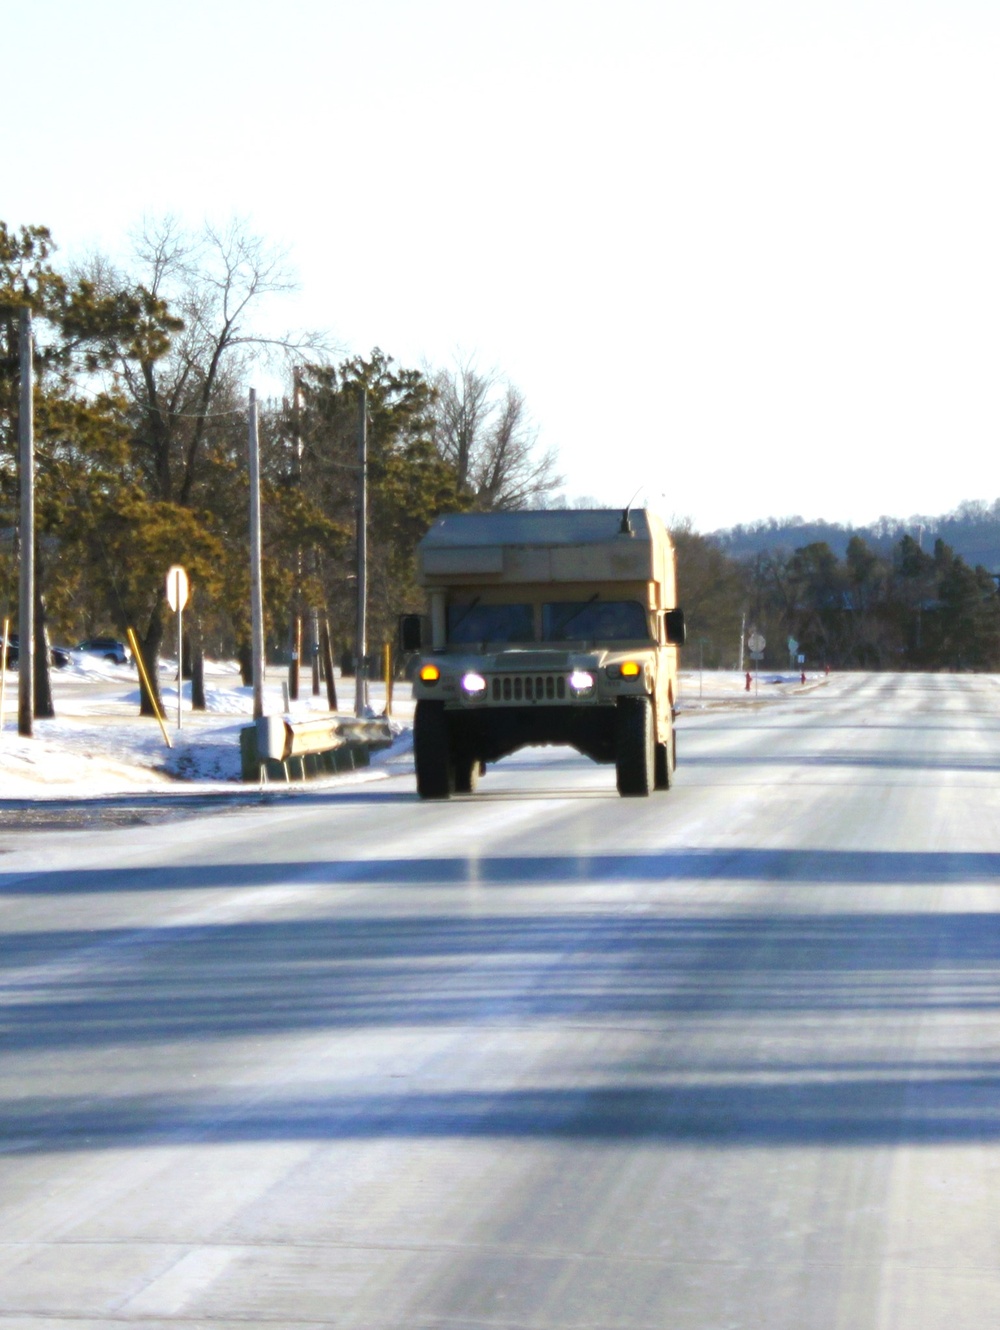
[635, 747]
[666, 761]
[432, 752]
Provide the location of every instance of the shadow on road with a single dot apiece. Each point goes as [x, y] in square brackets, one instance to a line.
[126, 993]
[735, 864]
[849, 1112]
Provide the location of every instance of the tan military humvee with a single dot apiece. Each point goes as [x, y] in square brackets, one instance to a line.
[554, 627]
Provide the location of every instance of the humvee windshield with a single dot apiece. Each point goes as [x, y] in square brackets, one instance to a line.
[490, 623]
[594, 621]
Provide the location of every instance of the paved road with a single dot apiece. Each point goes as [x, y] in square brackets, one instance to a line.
[727, 1057]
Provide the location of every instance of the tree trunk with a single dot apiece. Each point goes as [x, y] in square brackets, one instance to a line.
[150, 705]
[244, 654]
[327, 650]
[198, 702]
[44, 707]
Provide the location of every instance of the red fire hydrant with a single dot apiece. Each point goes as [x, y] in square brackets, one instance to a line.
[749, 680]
[803, 679]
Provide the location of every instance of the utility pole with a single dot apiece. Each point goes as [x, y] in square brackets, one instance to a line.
[256, 592]
[295, 664]
[743, 634]
[26, 586]
[361, 671]
[701, 665]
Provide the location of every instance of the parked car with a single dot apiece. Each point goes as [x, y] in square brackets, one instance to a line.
[108, 648]
[59, 656]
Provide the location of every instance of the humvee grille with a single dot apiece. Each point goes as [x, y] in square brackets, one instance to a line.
[528, 688]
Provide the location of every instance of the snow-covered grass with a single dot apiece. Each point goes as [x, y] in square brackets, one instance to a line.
[701, 690]
[708, 689]
[98, 744]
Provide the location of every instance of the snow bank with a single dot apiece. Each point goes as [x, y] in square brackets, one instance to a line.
[97, 744]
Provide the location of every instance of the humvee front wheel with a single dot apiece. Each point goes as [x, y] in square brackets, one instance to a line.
[635, 747]
[467, 773]
[432, 751]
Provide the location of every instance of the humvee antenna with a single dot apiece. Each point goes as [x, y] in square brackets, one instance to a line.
[626, 528]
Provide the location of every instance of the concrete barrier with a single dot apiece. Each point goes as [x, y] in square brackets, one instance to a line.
[286, 748]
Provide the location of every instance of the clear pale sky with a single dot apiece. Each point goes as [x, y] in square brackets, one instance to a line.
[742, 253]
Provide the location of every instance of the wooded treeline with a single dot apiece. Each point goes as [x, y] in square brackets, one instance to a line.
[141, 446]
[905, 610]
[141, 462]
[972, 529]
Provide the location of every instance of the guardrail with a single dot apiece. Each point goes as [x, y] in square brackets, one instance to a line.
[287, 748]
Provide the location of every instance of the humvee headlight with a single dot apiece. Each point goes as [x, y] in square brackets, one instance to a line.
[429, 673]
[473, 683]
[580, 681]
[631, 669]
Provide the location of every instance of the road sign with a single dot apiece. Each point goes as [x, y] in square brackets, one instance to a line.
[177, 597]
[178, 587]
[793, 646]
[756, 642]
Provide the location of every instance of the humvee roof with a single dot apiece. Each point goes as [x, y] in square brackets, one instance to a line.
[548, 547]
[543, 527]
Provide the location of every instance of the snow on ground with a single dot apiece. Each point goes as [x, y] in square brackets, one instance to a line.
[704, 690]
[98, 744]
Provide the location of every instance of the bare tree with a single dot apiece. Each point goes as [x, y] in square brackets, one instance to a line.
[483, 430]
[213, 282]
[463, 410]
[182, 374]
[509, 471]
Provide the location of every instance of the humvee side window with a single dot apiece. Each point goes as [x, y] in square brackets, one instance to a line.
[594, 621]
[490, 623]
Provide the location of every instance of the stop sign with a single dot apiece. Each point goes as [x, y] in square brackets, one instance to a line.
[177, 587]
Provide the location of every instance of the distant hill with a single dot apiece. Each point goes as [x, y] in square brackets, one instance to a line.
[972, 530]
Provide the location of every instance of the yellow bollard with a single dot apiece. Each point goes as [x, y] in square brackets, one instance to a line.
[134, 644]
